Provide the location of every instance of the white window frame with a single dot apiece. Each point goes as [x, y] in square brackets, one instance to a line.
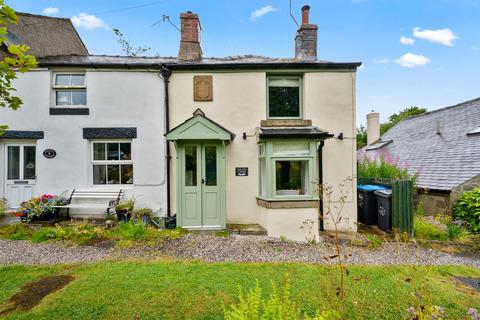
[111, 162]
[70, 88]
[300, 96]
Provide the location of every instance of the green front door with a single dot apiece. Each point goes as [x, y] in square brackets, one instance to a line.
[201, 192]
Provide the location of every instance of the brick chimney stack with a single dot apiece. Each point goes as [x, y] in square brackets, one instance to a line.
[306, 38]
[190, 27]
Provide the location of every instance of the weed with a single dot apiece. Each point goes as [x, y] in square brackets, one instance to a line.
[223, 233]
[373, 241]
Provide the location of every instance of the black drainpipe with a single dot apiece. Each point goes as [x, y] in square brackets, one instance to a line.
[320, 182]
[166, 73]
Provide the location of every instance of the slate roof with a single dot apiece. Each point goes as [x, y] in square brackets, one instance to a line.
[243, 61]
[46, 36]
[442, 161]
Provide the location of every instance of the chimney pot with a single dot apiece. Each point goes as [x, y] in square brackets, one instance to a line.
[305, 14]
[373, 127]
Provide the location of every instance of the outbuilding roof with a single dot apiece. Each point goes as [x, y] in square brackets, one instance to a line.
[46, 36]
[436, 145]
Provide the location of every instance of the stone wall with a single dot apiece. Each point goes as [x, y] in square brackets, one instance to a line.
[466, 186]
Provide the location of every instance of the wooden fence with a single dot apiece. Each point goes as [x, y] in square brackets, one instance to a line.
[402, 202]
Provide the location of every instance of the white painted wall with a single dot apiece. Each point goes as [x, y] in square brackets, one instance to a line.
[115, 99]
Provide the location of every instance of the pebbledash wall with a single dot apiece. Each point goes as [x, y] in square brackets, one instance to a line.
[115, 99]
[239, 104]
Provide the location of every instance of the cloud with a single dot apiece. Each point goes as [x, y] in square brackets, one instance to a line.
[261, 12]
[442, 36]
[88, 21]
[381, 61]
[410, 60]
[50, 11]
[407, 41]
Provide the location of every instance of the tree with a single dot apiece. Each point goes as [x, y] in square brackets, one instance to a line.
[392, 120]
[127, 48]
[16, 60]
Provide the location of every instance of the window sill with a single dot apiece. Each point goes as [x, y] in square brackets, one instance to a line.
[285, 123]
[70, 111]
[287, 204]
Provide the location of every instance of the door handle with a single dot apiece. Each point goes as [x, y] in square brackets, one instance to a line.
[203, 181]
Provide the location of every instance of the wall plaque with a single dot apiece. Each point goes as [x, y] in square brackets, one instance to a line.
[49, 153]
[202, 88]
[241, 171]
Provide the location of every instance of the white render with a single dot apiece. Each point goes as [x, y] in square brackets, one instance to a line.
[115, 98]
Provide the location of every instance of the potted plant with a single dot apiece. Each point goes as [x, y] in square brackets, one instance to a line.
[124, 209]
[143, 214]
[39, 208]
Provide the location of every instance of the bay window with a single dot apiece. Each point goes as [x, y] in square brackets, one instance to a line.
[112, 162]
[287, 170]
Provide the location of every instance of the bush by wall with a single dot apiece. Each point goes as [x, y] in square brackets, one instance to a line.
[467, 208]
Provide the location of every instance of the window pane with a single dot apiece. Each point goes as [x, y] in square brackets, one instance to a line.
[99, 174]
[79, 97]
[126, 174]
[190, 166]
[291, 177]
[63, 98]
[125, 151]
[263, 170]
[99, 151]
[284, 101]
[13, 166]
[78, 80]
[113, 174]
[62, 80]
[112, 151]
[210, 165]
[29, 162]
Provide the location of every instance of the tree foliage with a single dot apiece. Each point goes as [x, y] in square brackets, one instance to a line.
[16, 60]
[392, 120]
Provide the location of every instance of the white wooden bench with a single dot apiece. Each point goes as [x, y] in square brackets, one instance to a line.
[113, 197]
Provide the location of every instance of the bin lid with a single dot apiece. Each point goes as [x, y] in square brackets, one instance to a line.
[371, 187]
[384, 193]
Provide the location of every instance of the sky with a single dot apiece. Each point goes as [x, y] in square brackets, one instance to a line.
[414, 52]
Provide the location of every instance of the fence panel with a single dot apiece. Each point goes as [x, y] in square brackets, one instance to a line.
[402, 202]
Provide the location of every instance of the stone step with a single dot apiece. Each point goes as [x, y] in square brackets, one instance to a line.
[247, 229]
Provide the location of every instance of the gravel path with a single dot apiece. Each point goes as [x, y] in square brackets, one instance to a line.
[235, 248]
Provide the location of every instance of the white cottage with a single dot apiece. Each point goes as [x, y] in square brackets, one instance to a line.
[250, 137]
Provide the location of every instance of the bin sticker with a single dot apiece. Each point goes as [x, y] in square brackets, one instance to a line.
[360, 200]
[382, 211]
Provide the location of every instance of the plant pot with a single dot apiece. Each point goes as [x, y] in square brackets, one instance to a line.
[123, 215]
[146, 220]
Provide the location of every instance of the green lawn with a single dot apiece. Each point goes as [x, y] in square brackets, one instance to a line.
[193, 290]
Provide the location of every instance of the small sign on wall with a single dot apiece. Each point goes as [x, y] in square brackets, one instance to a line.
[49, 153]
[241, 172]
[202, 88]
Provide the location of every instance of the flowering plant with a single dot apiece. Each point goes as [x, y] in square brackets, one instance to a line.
[39, 206]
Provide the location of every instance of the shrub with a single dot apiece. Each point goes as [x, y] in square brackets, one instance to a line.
[132, 231]
[383, 169]
[126, 205]
[17, 231]
[252, 306]
[468, 208]
[142, 212]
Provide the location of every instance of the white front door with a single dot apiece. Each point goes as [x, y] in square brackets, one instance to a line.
[21, 173]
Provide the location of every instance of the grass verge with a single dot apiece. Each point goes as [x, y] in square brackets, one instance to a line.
[192, 290]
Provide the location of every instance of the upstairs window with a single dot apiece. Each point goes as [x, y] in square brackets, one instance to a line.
[70, 89]
[284, 97]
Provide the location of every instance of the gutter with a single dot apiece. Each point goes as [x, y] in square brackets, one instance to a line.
[320, 182]
[166, 73]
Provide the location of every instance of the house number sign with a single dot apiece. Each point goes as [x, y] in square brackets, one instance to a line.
[49, 153]
[241, 172]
